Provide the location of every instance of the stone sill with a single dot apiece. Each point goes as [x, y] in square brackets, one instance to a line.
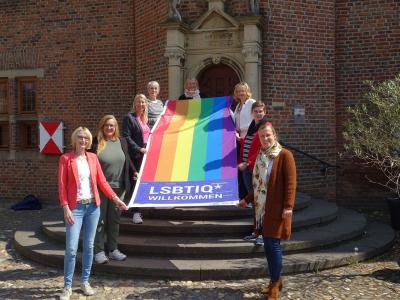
[21, 155]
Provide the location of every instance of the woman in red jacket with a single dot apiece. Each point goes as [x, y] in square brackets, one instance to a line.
[79, 175]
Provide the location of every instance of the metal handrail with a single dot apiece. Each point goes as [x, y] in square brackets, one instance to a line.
[325, 165]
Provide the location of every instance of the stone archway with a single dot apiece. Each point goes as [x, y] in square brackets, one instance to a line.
[217, 80]
[213, 38]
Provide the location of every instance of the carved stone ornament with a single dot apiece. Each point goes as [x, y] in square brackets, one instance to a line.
[175, 56]
[252, 52]
[216, 60]
[173, 13]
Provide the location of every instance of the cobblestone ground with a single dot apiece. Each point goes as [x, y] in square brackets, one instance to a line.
[23, 279]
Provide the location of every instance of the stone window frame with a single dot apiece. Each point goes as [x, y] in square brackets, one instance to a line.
[4, 86]
[20, 81]
[28, 134]
[4, 135]
[18, 121]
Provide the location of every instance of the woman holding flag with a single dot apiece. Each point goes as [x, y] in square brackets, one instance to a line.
[79, 176]
[113, 154]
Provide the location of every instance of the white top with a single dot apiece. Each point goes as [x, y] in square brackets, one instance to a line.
[85, 183]
[242, 116]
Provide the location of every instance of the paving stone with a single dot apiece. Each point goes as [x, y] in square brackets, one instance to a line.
[19, 278]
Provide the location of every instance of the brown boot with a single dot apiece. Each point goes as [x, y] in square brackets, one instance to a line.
[265, 289]
[273, 293]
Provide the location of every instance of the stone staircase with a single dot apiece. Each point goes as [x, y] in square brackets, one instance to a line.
[206, 242]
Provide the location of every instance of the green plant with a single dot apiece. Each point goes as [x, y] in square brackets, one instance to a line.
[373, 132]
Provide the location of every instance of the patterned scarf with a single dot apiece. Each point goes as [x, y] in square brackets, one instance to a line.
[261, 173]
[193, 94]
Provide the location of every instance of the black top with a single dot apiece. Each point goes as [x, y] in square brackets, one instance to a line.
[184, 97]
[132, 131]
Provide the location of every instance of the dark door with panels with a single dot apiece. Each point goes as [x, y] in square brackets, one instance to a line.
[218, 80]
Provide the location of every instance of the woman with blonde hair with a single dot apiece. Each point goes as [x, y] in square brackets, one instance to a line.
[79, 174]
[113, 154]
[242, 115]
[136, 131]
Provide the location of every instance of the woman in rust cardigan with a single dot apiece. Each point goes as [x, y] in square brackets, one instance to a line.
[274, 182]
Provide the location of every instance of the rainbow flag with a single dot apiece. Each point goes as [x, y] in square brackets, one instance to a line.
[191, 156]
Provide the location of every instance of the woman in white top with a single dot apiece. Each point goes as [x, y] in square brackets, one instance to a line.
[155, 105]
[242, 115]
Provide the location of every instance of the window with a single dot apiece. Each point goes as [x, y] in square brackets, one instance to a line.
[19, 106]
[27, 91]
[28, 137]
[3, 96]
[4, 135]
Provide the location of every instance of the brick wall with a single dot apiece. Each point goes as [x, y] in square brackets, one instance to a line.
[298, 68]
[86, 49]
[96, 55]
[367, 48]
[150, 39]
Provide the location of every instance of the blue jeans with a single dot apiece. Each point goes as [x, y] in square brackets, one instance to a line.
[245, 180]
[86, 216]
[248, 180]
[273, 253]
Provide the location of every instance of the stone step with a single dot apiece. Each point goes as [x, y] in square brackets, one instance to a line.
[317, 212]
[378, 238]
[348, 225]
[209, 212]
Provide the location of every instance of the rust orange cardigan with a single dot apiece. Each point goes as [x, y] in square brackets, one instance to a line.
[68, 179]
[280, 195]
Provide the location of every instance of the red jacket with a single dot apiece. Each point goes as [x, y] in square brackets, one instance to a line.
[68, 179]
[253, 151]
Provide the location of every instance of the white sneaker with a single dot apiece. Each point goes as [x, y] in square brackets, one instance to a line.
[66, 293]
[117, 255]
[100, 258]
[259, 241]
[137, 218]
[87, 289]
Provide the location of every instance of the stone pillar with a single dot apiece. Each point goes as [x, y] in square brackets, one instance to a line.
[175, 72]
[252, 68]
[175, 52]
[252, 52]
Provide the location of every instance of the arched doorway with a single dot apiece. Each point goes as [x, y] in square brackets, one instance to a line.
[218, 80]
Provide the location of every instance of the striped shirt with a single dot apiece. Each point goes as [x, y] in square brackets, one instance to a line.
[246, 146]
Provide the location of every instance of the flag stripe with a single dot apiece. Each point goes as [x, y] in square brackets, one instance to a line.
[180, 171]
[169, 143]
[157, 137]
[214, 146]
[199, 151]
[228, 145]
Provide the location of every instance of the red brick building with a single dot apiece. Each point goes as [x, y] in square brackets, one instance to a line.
[74, 61]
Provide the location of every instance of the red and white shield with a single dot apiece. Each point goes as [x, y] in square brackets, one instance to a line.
[51, 137]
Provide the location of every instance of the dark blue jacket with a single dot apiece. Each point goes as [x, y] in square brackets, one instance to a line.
[133, 133]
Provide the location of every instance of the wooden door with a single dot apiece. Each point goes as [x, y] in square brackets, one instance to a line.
[218, 80]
